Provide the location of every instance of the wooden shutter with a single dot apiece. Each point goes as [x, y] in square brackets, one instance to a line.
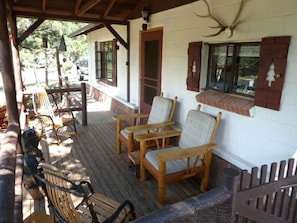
[274, 50]
[114, 62]
[194, 66]
[97, 60]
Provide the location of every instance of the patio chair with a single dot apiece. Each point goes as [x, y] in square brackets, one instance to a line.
[60, 121]
[93, 207]
[160, 117]
[192, 155]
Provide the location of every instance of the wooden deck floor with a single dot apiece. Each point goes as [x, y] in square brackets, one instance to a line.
[91, 155]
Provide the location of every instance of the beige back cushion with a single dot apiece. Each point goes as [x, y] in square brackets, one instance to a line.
[197, 130]
[160, 111]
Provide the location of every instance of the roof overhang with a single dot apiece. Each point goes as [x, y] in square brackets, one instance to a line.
[90, 11]
[86, 29]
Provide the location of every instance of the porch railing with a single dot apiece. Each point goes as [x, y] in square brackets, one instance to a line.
[216, 205]
[81, 106]
[268, 194]
[265, 195]
[11, 163]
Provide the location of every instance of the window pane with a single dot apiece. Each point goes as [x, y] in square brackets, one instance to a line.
[229, 69]
[247, 65]
[109, 75]
[217, 66]
[233, 67]
[98, 64]
[107, 61]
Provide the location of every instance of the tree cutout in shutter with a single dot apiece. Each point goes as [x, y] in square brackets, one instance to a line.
[272, 69]
[271, 75]
[194, 66]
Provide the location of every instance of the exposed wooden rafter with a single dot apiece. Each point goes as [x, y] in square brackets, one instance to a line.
[34, 26]
[87, 6]
[108, 8]
[77, 5]
[66, 16]
[92, 11]
[117, 36]
[43, 5]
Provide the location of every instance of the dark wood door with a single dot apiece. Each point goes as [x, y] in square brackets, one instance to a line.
[151, 65]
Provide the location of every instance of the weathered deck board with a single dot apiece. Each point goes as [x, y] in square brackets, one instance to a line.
[91, 155]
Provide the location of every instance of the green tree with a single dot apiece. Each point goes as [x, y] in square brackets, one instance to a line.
[31, 49]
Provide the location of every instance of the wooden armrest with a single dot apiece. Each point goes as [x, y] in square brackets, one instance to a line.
[132, 129]
[185, 153]
[129, 116]
[42, 115]
[157, 135]
[63, 110]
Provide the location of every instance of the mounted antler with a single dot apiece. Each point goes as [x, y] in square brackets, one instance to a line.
[221, 26]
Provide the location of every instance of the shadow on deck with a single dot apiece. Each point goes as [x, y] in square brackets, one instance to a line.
[91, 155]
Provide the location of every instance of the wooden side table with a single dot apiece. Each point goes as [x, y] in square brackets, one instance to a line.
[134, 162]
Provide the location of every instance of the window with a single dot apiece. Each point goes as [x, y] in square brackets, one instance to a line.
[106, 62]
[233, 67]
[237, 68]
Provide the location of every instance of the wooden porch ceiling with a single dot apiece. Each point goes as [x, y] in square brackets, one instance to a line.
[92, 11]
[111, 11]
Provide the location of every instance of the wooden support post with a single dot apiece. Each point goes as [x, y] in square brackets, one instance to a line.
[16, 58]
[18, 212]
[232, 180]
[7, 70]
[68, 91]
[12, 139]
[59, 69]
[84, 104]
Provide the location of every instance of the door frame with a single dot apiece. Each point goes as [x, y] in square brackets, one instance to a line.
[152, 34]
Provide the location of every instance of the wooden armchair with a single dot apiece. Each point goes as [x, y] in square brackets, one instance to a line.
[192, 155]
[94, 207]
[160, 117]
[60, 123]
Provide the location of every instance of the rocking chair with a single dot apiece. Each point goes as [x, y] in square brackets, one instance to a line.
[60, 123]
[192, 155]
[94, 207]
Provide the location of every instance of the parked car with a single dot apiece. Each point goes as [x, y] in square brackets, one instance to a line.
[40, 64]
[82, 69]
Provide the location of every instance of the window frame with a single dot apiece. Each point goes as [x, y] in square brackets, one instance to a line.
[235, 46]
[103, 68]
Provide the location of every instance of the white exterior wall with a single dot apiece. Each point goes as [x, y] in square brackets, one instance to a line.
[102, 35]
[268, 136]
